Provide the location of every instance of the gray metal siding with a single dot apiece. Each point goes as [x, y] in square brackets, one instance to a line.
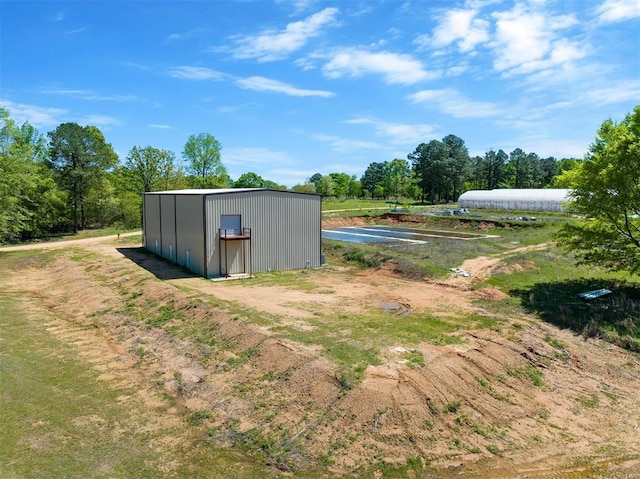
[184, 227]
[168, 226]
[285, 229]
[190, 228]
[152, 235]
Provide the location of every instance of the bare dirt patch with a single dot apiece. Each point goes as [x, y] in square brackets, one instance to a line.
[503, 403]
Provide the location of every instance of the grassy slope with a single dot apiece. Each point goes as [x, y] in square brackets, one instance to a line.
[61, 413]
[60, 420]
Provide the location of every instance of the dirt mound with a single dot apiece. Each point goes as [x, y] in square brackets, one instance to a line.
[501, 402]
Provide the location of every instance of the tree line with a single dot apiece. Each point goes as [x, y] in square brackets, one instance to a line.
[440, 170]
[72, 179]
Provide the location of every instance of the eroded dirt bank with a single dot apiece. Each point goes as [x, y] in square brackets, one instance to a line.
[503, 403]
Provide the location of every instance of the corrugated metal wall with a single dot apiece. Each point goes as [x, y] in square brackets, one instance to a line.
[151, 223]
[190, 237]
[285, 229]
[168, 226]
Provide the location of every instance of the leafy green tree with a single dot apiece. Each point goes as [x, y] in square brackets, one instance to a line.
[202, 154]
[398, 172]
[548, 170]
[80, 157]
[519, 170]
[489, 170]
[564, 165]
[355, 188]
[606, 193]
[30, 200]
[373, 179]
[249, 180]
[325, 186]
[314, 178]
[342, 183]
[272, 185]
[149, 168]
[307, 187]
[428, 161]
[457, 166]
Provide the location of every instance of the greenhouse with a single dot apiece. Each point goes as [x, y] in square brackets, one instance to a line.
[549, 199]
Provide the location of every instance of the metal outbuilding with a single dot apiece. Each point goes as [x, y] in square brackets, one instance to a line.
[223, 232]
[542, 199]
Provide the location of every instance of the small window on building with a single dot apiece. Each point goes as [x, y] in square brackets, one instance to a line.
[231, 225]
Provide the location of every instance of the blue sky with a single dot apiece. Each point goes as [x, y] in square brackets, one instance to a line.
[292, 88]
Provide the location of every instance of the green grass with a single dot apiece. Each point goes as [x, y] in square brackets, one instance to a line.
[88, 233]
[359, 205]
[58, 419]
[549, 287]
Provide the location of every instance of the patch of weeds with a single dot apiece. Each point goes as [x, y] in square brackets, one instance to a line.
[556, 343]
[348, 378]
[242, 357]
[414, 359]
[493, 449]
[167, 313]
[415, 464]
[464, 420]
[198, 417]
[457, 442]
[453, 407]
[141, 353]
[365, 257]
[590, 401]
[378, 416]
[613, 397]
[338, 445]
[433, 406]
[81, 255]
[267, 445]
[543, 412]
[181, 385]
[486, 384]
[528, 372]
[325, 462]
[100, 312]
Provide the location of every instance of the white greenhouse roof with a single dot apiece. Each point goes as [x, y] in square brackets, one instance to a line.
[520, 194]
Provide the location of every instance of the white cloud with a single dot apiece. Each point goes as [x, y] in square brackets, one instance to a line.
[395, 68]
[400, 133]
[99, 120]
[58, 17]
[89, 95]
[38, 116]
[160, 127]
[459, 26]
[77, 30]
[527, 40]
[453, 103]
[248, 157]
[276, 45]
[195, 73]
[185, 35]
[620, 91]
[344, 145]
[613, 11]
[137, 66]
[265, 84]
